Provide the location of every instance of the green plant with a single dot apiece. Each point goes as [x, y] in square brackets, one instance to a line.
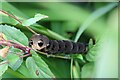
[64, 18]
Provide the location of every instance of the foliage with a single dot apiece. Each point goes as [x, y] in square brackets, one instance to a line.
[95, 25]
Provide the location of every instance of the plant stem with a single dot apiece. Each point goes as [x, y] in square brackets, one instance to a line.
[71, 67]
[57, 56]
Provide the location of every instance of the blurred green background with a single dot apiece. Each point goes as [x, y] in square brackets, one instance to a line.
[77, 21]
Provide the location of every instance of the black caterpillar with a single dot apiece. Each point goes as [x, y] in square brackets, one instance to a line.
[42, 43]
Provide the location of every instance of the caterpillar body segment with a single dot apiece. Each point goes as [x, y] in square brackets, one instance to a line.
[42, 43]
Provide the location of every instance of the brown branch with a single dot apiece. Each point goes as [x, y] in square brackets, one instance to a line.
[25, 49]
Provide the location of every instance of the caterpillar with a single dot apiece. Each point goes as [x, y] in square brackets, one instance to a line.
[41, 43]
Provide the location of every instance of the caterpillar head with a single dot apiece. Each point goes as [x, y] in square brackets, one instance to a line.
[38, 42]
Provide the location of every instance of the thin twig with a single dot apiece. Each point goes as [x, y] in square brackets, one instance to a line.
[56, 56]
[71, 68]
[12, 16]
[8, 43]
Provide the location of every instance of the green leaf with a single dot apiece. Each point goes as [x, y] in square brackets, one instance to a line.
[12, 74]
[87, 70]
[54, 63]
[31, 21]
[92, 51]
[3, 67]
[23, 70]
[14, 34]
[7, 19]
[43, 67]
[35, 70]
[14, 60]
[32, 67]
